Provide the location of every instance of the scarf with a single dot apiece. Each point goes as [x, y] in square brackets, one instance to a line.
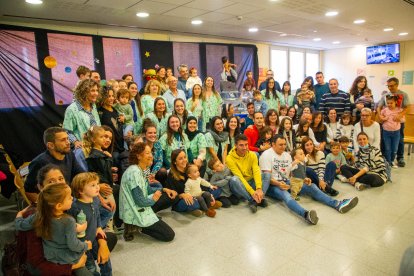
[219, 137]
[191, 134]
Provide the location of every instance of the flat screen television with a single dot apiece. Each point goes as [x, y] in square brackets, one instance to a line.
[387, 53]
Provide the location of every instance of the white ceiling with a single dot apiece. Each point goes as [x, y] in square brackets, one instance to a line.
[300, 20]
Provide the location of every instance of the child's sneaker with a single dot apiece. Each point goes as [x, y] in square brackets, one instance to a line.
[311, 217]
[211, 213]
[347, 204]
[394, 165]
[110, 226]
[197, 213]
[217, 205]
[342, 178]
[360, 186]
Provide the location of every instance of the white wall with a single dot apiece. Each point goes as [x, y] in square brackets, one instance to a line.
[346, 64]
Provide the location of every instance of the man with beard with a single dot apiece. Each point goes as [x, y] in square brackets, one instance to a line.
[58, 153]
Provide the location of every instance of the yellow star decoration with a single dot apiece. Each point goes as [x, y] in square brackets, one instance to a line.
[147, 54]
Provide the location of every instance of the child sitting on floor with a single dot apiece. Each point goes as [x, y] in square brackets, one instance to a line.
[220, 178]
[193, 187]
[346, 150]
[338, 158]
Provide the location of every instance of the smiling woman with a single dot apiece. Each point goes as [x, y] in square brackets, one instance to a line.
[82, 113]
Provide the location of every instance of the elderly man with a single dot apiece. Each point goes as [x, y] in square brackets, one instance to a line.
[173, 92]
[402, 102]
[336, 98]
[182, 80]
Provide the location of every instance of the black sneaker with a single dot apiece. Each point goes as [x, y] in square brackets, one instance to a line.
[347, 204]
[225, 201]
[263, 203]
[401, 163]
[311, 217]
[331, 191]
[253, 206]
[234, 200]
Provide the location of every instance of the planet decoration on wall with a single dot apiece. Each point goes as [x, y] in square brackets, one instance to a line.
[68, 69]
[50, 62]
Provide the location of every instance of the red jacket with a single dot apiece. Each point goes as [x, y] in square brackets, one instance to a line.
[252, 137]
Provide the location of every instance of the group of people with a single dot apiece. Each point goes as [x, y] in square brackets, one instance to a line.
[121, 157]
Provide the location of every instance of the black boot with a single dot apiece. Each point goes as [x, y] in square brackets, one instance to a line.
[129, 232]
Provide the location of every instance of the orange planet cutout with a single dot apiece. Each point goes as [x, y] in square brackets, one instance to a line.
[50, 62]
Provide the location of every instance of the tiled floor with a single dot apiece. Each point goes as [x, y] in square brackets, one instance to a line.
[369, 240]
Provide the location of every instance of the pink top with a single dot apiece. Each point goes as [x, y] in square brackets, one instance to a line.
[389, 124]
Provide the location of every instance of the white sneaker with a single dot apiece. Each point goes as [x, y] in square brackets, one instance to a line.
[394, 165]
[342, 178]
[360, 186]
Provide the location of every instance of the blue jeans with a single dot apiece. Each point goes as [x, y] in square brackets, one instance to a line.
[92, 255]
[312, 191]
[391, 141]
[330, 173]
[105, 215]
[329, 177]
[181, 206]
[238, 189]
[400, 151]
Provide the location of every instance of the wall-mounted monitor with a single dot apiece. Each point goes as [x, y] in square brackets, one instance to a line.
[387, 53]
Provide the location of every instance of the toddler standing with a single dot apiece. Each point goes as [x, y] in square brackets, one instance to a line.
[86, 191]
[391, 124]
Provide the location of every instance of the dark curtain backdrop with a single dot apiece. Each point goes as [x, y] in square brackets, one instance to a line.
[34, 97]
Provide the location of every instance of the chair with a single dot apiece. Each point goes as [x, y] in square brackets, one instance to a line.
[19, 177]
[409, 128]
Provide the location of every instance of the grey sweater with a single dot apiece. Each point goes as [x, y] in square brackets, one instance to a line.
[64, 247]
[221, 179]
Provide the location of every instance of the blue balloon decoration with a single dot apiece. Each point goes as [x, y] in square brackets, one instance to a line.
[68, 69]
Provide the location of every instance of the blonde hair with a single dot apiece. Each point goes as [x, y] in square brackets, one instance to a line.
[48, 198]
[80, 180]
[149, 83]
[89, 137]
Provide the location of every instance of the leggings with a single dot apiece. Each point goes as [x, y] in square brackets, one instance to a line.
[159, 231]
[369, 179]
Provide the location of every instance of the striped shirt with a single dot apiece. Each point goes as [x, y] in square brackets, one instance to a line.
[371, 159]
[317, 164]
[339, 101]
